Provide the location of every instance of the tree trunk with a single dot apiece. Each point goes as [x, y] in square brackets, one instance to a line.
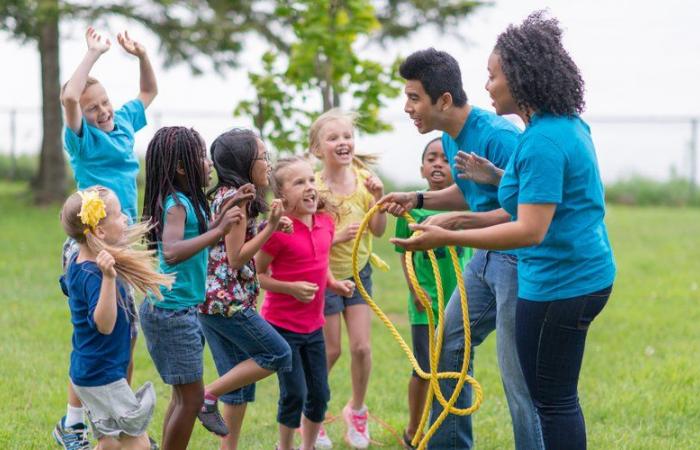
[49, 183]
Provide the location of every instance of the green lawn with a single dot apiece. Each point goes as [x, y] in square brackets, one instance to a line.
[639, 385]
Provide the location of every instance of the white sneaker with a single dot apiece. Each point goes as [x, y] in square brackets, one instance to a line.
[357, 435]
[323, 440]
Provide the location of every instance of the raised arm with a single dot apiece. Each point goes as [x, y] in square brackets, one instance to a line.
[105, 314]
[448, 199]
[148, 87]
[70, 95]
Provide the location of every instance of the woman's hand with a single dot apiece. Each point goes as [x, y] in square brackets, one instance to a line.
[431, 236]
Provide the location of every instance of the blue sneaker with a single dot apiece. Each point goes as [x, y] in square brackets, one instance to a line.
[71, 438]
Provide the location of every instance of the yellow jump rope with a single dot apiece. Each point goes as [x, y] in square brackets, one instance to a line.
[435, 342]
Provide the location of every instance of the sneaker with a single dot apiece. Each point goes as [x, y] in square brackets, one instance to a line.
[71, 438]
[357, 435]
[153, 443]
[323, 440]
[211, 419]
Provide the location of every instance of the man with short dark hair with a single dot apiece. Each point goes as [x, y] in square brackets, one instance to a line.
[435, 100]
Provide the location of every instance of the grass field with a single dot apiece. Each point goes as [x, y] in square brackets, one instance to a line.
[639, 385]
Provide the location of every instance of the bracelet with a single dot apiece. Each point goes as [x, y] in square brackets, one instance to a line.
[419, 200]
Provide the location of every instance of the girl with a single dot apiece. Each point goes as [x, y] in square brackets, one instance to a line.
[348, 183]
[245, 347]
[177, 171]
[295, 285]
[96, 282]
[552, 189]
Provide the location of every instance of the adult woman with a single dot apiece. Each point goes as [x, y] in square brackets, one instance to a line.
[552, 189]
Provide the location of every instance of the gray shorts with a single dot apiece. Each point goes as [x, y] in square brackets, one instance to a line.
[70, 249]
[336, 304]
[114, 409]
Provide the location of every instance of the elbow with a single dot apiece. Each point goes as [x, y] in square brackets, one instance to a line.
[69, 100]
[105, 329]
[534, 237]
[170, 257]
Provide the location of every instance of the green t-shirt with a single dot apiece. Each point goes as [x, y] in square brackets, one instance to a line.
[424, 271]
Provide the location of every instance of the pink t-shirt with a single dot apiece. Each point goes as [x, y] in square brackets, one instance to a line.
[299, 256]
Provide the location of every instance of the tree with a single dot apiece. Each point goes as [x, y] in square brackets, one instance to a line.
[317, 66]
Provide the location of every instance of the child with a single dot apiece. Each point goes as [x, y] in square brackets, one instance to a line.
[245, 347]
[349, 184]
[436, 170]
[177, 171]
[100, 144]
[294, 299]
[95, 283]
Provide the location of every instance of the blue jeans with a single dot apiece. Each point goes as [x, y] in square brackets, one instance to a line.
[551, 337]
[491, 279]
[243, 336]
[305, 387]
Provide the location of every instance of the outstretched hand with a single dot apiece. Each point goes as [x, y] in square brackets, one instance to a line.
[96, 42]
[431, 236]
[131, 46]
[471, 166]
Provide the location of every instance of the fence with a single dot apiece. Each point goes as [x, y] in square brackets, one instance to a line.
[654, 147]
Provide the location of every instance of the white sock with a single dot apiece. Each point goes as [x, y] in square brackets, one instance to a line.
[74, 416]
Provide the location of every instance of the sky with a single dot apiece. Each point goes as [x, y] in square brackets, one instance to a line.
[640, 60]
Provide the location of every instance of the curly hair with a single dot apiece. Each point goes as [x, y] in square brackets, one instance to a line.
[541, 75]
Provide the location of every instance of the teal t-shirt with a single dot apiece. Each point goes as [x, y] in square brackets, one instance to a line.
[490, 136]
[108, 159]
[424, 270]
[190, 274]
[555, 162]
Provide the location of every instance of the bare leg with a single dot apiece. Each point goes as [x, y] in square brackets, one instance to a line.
[417, 393]
[287, 437]
[331, 335]
[358, 322]
[243, 374]
[233, 416]
[186, 401]
[309, 432]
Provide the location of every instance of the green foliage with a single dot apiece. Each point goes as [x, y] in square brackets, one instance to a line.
[641, 191]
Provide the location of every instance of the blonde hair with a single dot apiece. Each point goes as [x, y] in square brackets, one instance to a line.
[324, 202]
[135, 266]
[88, 82]
[362, 161]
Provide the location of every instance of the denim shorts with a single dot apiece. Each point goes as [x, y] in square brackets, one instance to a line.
[304, 389]
[70, 249]
[336, 303]
[242, 336]
[421, 350]
[175, 342]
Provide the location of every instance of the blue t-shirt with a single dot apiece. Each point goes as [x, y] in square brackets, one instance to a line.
[108, 159]
[556, 163]
[191, 274]
[97, 359]
[489, 136]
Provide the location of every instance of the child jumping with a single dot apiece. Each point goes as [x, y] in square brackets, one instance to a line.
[177, 171]
[436, 170]
[100, 145]
[245, 347]
[295, 285]
[96, 284]
[349, 184]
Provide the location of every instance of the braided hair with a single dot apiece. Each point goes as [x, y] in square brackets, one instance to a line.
[172, 148]
[541, 75]
[234, 153]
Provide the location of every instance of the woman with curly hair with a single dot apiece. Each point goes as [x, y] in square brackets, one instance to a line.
[553, 191]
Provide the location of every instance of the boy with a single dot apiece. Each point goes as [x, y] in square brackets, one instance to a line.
[100, 144]
[436, 170]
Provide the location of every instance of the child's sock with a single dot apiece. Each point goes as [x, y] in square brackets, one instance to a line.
[209, 398]
[74, 416]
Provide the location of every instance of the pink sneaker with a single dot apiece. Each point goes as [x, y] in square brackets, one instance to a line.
[323, 440]
[357, 435]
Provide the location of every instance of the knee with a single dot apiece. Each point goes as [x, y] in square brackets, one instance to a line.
[142, 443]
[108, 443]
[361, 352]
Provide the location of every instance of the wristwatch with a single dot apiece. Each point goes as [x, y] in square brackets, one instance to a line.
[419, 200]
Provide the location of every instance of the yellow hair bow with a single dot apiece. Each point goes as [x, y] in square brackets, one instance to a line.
[92, 209]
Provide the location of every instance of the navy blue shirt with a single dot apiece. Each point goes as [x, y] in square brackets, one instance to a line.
[489, 136]
[556, 163]
[97, 359]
